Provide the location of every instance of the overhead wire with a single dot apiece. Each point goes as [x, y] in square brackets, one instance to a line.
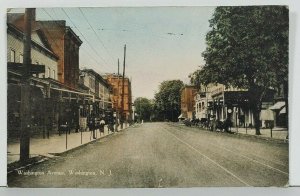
[99, 39]
[90, 45]
[55, 21]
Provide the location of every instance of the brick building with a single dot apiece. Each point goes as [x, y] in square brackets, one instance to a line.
[65, 44]
[187, 101]
[116, 82]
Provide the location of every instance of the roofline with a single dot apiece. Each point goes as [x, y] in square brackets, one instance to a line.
[74, 35]
[98, 76]
[13, 29]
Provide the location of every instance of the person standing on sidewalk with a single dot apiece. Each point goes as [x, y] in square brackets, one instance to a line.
[92, 126]
[101, 128]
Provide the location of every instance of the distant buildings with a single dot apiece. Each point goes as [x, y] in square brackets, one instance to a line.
[101, 91]
[116, 82]
[221, 103]
[187, 102]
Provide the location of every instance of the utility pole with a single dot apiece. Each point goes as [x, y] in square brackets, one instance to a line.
[123, 89]
[25, 112]
[118, 110]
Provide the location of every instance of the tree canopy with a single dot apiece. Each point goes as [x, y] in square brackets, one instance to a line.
[167, 100]
[247, 47]
[143, 108]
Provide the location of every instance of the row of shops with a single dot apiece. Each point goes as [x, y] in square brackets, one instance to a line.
[221, 103]
[52, 105]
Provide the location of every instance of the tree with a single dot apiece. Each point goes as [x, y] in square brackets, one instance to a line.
[167, 100]
[247, 47]
[143, 108]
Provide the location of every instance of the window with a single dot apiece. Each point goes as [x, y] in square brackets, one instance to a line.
[54, 77]
[21, 58]
[49, 72]
[12, 56]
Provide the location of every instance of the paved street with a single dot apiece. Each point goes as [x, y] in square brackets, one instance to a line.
[164, 155]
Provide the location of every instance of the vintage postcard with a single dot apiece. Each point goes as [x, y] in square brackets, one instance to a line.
[148, 97]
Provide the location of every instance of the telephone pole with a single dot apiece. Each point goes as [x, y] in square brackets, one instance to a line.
[25, 112]
[118, 109]
[123, 89]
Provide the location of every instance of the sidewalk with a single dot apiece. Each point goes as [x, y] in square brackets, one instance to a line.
[54, 145]
[277, 133]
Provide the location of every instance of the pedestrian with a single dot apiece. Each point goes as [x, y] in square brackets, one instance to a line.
[101, 127]
[92, 126]
[63, 125]
[213, 123]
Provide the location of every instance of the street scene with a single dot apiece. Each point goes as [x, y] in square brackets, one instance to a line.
[157, 155]
[148, 97]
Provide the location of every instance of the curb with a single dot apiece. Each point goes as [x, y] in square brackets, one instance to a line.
[262, 138]
[77, 147]
[43, 158]
[246, 135]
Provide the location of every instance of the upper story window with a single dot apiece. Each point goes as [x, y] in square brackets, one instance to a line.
[53, 71]
[12, 56]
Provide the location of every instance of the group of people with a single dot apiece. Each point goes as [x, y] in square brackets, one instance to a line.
[96, 123]
[93, 124]
[211, 123]
[215, 124]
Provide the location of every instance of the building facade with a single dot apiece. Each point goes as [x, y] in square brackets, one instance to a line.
[187, 102]
[202, 98]
[55, 98]
[99, 88]
[43, 68]
[229, 103]
[117, 82]
[65, 43]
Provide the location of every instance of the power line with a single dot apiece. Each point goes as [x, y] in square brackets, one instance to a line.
[90, 45]
[96, 34]
[87, 52]
[53, 40]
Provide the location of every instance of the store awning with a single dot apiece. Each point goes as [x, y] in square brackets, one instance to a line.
[283, 110]
[266, 115]
[278, 105]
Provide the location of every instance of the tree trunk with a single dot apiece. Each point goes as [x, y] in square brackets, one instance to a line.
[255, 99]
[256, 112]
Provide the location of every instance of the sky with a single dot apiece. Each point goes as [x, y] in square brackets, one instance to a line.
[162, 43]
